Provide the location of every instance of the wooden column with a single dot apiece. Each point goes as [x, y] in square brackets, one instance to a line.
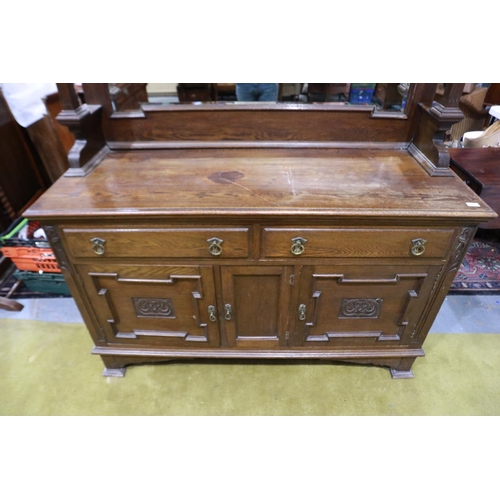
[434, 120]
[85, 122]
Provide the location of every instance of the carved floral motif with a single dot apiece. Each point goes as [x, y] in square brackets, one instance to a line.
[360, 308]
[153, 307]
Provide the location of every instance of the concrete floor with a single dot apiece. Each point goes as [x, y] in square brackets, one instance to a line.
[468, 314]
[459, 313]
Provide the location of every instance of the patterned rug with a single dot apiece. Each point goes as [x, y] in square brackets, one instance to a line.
[479, 273]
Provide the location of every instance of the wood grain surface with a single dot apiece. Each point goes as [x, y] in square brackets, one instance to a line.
[336, 182]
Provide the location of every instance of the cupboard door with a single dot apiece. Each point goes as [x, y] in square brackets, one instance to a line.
[368, 306]
[256, 300]
[165, 306]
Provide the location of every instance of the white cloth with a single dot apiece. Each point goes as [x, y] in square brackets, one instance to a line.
[495, 112]
[25, 100]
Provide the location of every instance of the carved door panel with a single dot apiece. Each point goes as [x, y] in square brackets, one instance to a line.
[255, 306]
[369, 306]
[153, 305]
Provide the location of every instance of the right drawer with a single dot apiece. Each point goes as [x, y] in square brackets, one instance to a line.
[356, 242]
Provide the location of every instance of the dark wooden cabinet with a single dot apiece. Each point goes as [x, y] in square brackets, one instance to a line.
[479, 168]
[262, 250]
[21, 174]
[21, 181]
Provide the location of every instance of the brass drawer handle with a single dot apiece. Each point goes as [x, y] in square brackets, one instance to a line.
[215, 246]
[98, 245]
[302, 312]
[297, 247]
[211, 313]
[418, 246]
[229, 312]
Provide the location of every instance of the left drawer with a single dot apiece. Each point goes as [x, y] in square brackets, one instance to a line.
[166, 242]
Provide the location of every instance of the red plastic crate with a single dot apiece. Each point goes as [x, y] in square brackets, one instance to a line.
[32, 259]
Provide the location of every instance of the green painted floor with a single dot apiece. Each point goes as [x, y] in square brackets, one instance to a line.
[47, 369]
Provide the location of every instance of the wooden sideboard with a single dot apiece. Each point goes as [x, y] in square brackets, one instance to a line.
[204, 251]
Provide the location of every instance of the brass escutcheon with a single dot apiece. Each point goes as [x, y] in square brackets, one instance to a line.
[215, 246]
[211, 313]
[418, 246]
[297, 247]
[98, 245]
[302, 312]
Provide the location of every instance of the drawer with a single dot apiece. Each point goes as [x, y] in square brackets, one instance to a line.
[342, 243]
[169, 243]
[469, 180]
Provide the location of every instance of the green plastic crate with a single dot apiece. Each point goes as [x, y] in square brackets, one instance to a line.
[44, 283]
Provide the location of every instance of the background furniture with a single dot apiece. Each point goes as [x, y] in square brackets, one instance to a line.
[493, 95]
[328, 92]
[479, 168]
[21, 182]
[388, 95]
[127, 96]
[21, 177]
[475, 115]
[194, 92]
[225, 92]
[31, 159]
[261, 231]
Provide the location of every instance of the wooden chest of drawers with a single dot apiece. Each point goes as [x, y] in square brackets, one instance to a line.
[263, 254]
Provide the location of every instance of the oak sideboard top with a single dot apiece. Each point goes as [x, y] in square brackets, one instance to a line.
[254, 182]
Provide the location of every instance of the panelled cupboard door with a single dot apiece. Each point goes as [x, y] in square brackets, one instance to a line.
[168, 306]
[255, 305]
[368, 306]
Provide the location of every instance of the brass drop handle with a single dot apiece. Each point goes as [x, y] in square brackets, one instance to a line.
[215, 246]
[302, 312]
[211, 313]
[98, 245]
[298, 247]
[418, 246]
[229, 312]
